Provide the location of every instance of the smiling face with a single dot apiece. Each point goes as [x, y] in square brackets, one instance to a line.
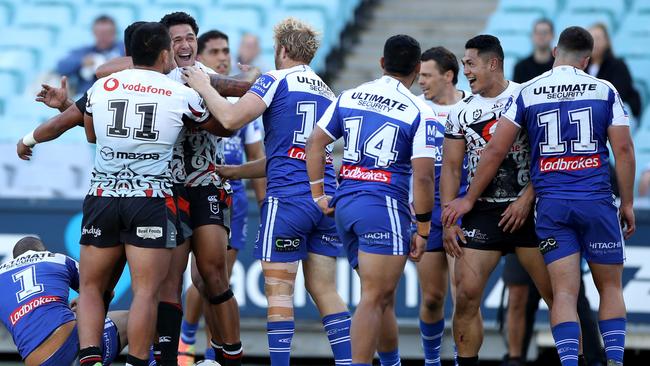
[431, 81]
[478, 70]
[216, 55]
[184, 44]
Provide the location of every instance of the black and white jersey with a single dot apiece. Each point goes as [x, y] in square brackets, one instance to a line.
[137, 117]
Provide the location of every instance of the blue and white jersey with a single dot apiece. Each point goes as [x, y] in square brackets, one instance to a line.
[234, 147]
[295, 98]
[567, 113]
[34, 303]
[384, 126]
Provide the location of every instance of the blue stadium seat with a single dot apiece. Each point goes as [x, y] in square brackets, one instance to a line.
[11, 84]
[263, 7]
[71, 3]
[634, 25]
[76, 36]
[586, 20]
[641, 6]
[631, 47]
[19, 62]
[331, 9]
[516, 46]
[6, 12]
[207, 5]
[44, 15]
[545, 8]
[239, 19]
[34, 39]
[509, 63]
[154, 13]
[123, 14]
[615, 8]
[504, 23]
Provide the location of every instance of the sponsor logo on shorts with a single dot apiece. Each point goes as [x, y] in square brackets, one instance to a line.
[476, 235]
[298, 153]
[287, 245]
[569, 163]
[329, 238]
[370, 175]
[214, 204]
[27, 308]
[548, 245]
[605, 245]
[94, 231]
[149, 232]
[376, 236]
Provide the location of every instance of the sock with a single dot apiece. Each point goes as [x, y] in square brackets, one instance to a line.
[467, 361]
[337, 328]
[431, 334]
[188, 332]
[455, 355]
[232, 354]
[134, 361]
[170, 316]
[210, 353]
[90, 355]
[390, 358]
[566, 341]
[279, 335]
[613, 332]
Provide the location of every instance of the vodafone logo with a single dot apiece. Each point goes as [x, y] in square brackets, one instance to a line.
[359, 173]
[569, 163]
[111, 84]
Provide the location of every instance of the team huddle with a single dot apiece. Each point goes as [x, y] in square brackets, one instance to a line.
[450, 179]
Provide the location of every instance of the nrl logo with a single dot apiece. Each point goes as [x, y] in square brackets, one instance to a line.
[477, 114]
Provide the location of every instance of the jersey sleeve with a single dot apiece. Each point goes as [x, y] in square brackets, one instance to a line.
[514, 110]
[330, 121]
[195, 110]
[265, 87]
[424, 139]
[253, 132]
[453, 130]
[619, 116]
[73, 270]
[88, 109]
[81, 103]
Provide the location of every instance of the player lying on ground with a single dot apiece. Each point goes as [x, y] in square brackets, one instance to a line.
[35, 307]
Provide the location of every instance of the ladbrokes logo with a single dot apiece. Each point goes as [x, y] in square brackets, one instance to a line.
[27, 308]
[299, 153]
[359, 173]
[112, 83]
[569, 163]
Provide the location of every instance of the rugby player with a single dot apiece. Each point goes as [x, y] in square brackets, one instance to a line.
[40, 321]
[134, 117]
[385, 132]
[501, 221]
[214, 52]
[437, 79]
[290, 100]
[569, 117]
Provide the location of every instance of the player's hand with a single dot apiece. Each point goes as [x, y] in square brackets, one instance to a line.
[515, 215]
[453, 210]
[450, 235]
[251, 73]
[54, 97]
[324, 205]
[196, 79]
[24, 152]
[417, 248]
[628, 223]
[228, 171]
[73, 304]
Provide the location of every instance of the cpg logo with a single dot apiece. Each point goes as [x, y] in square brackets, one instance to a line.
[287, 245]
[548, 245]
[111, 84]
[107, 153]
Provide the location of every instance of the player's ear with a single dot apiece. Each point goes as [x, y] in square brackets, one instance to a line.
[585, 62]
[554, 52]
[381, 62]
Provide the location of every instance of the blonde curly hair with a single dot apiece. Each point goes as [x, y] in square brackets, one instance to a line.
[299, 39]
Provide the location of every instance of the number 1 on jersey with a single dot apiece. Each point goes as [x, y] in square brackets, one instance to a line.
[28, 284]
[308, 112]
[553, 144]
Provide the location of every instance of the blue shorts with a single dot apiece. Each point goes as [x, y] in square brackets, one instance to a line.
[373, 223]
[590, 227]
[291, 228]
[238, 219]
[68, 351]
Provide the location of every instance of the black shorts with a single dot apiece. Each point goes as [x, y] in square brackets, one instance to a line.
[209, 205]
[140, 221]
[514, 273]
[183, 221]
[481, 229]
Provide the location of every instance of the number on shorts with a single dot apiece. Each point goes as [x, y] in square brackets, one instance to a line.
[28, 284]
[553, 145]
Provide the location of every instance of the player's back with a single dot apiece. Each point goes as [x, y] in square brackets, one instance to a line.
[379, 121]
[137, 116]
[296, 99]
[567, 114]
[36, 287]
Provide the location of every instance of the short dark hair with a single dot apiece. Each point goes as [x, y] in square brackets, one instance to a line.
[486, 43]
[576, 39]
[179, 17]
[401, 54]
[128, 34]
[148, 41]
[208, 36]
[104, 19]
[445, 60]
[546, 21]
[26, 244]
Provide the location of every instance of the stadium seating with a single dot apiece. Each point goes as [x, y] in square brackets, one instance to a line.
[539, 8]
